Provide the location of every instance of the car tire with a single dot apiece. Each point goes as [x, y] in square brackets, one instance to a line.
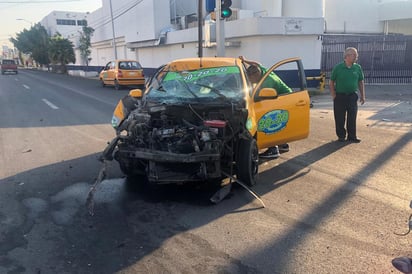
[117, 86]
[248, 161]
[102, 83]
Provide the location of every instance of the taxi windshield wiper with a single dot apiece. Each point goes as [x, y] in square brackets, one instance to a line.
[188, 88]
[213, 89]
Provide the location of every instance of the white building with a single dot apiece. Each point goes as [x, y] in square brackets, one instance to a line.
[68, 24]
[157, 31]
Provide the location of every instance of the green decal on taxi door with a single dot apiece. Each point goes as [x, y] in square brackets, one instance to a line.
[273, 121]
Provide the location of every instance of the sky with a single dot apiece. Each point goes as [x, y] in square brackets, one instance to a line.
[33, 11]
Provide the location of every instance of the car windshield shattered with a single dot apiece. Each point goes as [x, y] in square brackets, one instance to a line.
[200, 85]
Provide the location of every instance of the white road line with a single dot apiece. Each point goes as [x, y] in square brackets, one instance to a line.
[50, 104]
[26, 86]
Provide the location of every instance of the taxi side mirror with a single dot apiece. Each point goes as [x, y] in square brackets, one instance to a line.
[136, 93]
[266, 94]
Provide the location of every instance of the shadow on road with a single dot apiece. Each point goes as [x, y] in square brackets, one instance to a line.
[51, 224]
[129, 224]
[280, 248]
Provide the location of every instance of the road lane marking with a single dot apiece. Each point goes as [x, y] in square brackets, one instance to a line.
[50, 104]
[26, 86]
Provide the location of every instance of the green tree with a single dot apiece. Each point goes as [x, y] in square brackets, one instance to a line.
[61, 52]
[85, 44]
[34, 42]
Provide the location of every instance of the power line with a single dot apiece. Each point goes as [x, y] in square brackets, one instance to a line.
[118, 15]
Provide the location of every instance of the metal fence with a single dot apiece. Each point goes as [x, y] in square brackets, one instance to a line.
[384, 58]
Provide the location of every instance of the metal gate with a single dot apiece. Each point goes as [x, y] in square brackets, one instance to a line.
[385, 59]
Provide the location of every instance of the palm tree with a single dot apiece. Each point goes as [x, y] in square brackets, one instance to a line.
[61, 52]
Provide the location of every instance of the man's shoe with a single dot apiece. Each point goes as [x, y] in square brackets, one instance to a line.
[354, 140]
[270, 153]
[403, 264]
[341, 139]
[284, 148]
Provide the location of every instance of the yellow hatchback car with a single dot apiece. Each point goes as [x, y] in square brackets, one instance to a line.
[202, 119]
[119, 73]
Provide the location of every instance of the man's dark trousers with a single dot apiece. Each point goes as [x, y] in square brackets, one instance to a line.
[345, 107]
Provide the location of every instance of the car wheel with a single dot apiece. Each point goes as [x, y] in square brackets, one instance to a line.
[102, 82]
[117, 86]
[248, 161]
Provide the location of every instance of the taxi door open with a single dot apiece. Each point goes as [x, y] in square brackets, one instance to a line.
[108, 73]
[282, 118]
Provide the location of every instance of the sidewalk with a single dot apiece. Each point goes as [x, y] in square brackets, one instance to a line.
[380, 90]
[386, 106]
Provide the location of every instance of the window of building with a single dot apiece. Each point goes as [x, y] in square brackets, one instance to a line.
[82, 23]
[66, 22]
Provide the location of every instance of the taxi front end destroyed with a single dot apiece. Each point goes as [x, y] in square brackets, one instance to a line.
[204, 120]
[179, 142]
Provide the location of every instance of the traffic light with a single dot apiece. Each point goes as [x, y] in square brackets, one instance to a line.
[226, 11]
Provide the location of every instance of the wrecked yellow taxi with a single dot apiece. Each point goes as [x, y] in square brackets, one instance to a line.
[203, 120]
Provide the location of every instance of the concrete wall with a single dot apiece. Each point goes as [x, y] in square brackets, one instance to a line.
[307, 8]
[368, 16]
[395, 10]
[400, 26]
[263, 8]
[352, 16]
[261, 42]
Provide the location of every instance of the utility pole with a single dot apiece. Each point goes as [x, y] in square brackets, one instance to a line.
[114, 37]
[200, 28]
[220, 30]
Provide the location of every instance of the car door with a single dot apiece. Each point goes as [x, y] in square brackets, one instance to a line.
[105, 73]
[111, 73]
[282, 118]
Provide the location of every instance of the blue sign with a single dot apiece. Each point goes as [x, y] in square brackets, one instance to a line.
[273, 121]
[210, 5]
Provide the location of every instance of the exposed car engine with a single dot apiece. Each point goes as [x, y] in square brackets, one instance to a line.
[164, 141]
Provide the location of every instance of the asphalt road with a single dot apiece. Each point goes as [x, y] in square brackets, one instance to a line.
[329, 207]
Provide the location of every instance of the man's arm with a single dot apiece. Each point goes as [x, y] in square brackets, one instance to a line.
[332, 88]
[361, 85]
[249, 62]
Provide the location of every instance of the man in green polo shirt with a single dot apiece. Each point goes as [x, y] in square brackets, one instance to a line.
[345, 82]
[255, 72]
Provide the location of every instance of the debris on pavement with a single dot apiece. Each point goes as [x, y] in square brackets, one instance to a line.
[90, 196]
